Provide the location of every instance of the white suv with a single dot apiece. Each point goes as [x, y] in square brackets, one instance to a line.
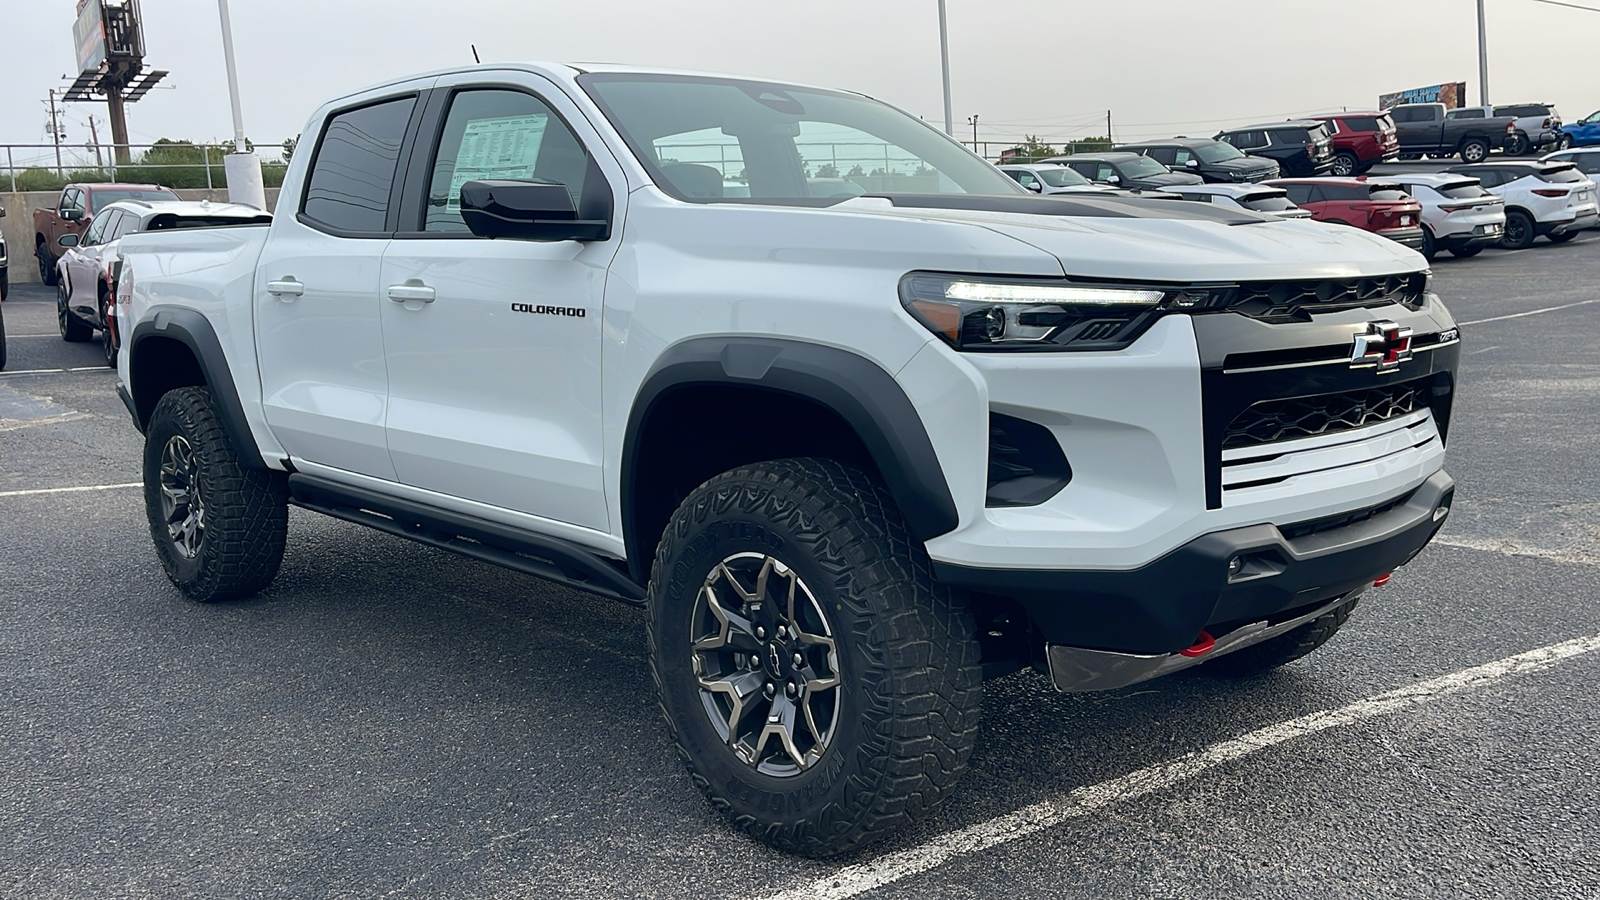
[1051, 178]
[1553, 199]
[1260, 198]
[1457, 213]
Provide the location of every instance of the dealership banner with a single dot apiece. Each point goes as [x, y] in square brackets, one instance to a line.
[89, 35]
[1453, 95]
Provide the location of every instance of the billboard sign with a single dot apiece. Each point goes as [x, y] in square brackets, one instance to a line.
[1453, 95]
[89, 35]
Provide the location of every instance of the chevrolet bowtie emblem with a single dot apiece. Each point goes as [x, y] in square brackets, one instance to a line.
[1382, 346]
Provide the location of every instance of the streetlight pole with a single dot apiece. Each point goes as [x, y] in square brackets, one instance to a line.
[242, 166]
[944, 60]
[1483, 59]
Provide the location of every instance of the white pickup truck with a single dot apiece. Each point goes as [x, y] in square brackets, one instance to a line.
[857, 418]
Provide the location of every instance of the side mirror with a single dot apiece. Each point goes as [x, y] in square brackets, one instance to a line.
[68, 240]
[71, 215]
[2, 212]
[1037, 187]
[1113, 179]
[528, 211]
[1193, 164]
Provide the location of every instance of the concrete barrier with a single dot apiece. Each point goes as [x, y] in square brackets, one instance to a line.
[17, 226]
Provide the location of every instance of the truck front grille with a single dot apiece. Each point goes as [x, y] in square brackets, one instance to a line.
[1270, 421]
[1295, 301]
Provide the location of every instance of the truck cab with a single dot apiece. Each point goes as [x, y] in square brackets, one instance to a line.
[1428, 129]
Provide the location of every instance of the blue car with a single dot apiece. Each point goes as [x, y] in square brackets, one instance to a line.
[1583, 133]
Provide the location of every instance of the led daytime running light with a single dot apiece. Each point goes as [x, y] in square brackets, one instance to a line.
[1039, 293]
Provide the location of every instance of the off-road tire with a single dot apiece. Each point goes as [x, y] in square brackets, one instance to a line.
[1520, 231]
[1474, 150]
[1261, 658]
[907, 654]
[245, 511]
[73, 329]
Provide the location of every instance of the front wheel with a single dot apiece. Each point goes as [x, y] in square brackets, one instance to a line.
[1258, 659]
[1474, 151]
[1519, 232]
[1345, 163]
[73, 329]
[821, 686]
[1430, 245]
[219, 528]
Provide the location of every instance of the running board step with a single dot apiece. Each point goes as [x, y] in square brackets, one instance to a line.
[549, 558]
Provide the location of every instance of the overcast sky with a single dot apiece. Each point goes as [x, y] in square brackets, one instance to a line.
[1045, 67]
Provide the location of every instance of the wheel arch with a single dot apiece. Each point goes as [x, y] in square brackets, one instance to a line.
[176, 347]
[860, 411]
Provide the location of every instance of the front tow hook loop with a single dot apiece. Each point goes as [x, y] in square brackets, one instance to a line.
[1202, 645]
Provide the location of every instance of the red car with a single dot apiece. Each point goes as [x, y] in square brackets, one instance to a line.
[1361, 140]
[1381, 207]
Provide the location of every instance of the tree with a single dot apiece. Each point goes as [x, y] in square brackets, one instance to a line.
[288, 147]
[854, 172]
[827, 170]
[1030, 150]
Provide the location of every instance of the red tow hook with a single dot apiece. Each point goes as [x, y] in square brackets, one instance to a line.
[1383, 579]
[1202, 645]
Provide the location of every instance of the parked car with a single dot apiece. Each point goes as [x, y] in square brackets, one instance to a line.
[1553, 199]
[74, 210]
[1583, 133]
[1299, 147]
[5, 264]
[1425, 129]
[1213, 161]
[956, 431]
[1053, 178]
[1537, 126]
[1587, 159]
[1260, 198]
[1361, 140]
[1128, 171]
[1381, 207]
[1458, 215]
[85, 281]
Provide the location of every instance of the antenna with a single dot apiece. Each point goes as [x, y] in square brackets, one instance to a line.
[475, 54]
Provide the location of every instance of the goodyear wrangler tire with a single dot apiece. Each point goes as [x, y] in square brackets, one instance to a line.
[218, 528]
[1261, 658]
[821, 687]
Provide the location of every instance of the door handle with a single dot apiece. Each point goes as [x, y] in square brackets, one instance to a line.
[412, 291]
[288, 288]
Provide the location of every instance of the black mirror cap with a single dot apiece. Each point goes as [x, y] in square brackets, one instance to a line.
[528, 211]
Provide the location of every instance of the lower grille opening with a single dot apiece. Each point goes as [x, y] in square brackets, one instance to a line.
[1271, 421]
[1342, 520]
[1026, 464]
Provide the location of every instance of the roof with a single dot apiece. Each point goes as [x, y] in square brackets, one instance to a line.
[1338, 179]
[1540, 164]
[1349, 114]
[1172, 142]
[1108, 156]
[187, 208]
[1287, 123]
[1433, 179]
[1224, 189]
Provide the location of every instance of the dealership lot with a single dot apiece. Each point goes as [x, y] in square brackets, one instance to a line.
[391, 720]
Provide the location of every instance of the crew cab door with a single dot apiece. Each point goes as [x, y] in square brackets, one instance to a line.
[494, 346]
[318, 331]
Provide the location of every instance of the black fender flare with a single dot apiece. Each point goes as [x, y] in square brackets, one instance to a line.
[860, 391]
[190, 328]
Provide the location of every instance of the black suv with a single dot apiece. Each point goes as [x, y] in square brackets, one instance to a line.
[1213, 161]
[1129, 171]
[1301, 147]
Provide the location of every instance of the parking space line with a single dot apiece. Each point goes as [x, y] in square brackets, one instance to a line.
[58, 371]
[71, 490]
[857, 879]
[1531, 312]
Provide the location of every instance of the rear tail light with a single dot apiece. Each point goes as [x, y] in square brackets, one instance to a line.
[1510, 127]
[1311, 149]
[1546, 124]
[1551, 192]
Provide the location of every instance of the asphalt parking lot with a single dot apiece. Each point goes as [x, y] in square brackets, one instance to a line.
[389, 720]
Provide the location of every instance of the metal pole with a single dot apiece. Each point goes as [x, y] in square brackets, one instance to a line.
[205, 156]
[1483, 59]
[944, 61]
[55, 131]
[233, 78]
[11, 166]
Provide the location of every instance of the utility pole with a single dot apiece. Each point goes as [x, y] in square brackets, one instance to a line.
[242, 166]
[55, 131]
[94, 137]
[973, 121]
[1109, 139]
[1483, 59]
[944, 59]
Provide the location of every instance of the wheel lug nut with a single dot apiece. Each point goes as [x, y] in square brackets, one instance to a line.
[789, 689]
[799, 660]
[761, 632]
[769, 690]
[782, 632]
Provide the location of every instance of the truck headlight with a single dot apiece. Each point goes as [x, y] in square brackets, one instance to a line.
[981, 313]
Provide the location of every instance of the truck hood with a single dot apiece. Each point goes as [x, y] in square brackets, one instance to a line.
[1161, 240]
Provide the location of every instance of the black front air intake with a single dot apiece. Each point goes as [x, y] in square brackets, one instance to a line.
[1026, 464]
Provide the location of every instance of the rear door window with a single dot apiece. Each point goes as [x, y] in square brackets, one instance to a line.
[1299, 194]
[1461, 190]
[1362, 124]
[353, 172]
[1466, 114]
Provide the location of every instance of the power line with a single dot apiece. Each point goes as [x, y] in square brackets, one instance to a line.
[1569, 5]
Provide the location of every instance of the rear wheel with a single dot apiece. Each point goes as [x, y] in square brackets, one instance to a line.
[108, 343]
[1345, 163]
[1465, 252]
[1518, 145]
[73, 329]
[1261, 658]
[1565, 143]
[1429, 245]
[1519, 230]
[47, 264]
[1474, 150]
[822, 687]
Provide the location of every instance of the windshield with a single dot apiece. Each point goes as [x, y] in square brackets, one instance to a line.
[1272, 201]
[1140, 167]
[1062, 177]
[105, 198]
[714, 139]
[1217, 152]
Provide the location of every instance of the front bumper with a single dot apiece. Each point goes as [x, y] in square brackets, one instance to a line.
[1163, 606]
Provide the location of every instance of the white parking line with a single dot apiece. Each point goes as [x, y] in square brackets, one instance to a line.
[58, 371]
[71, 490]
[1510, 547]
[1531, 312]
[862, 877]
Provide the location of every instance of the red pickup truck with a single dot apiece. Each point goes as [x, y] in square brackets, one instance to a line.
[73, 212]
